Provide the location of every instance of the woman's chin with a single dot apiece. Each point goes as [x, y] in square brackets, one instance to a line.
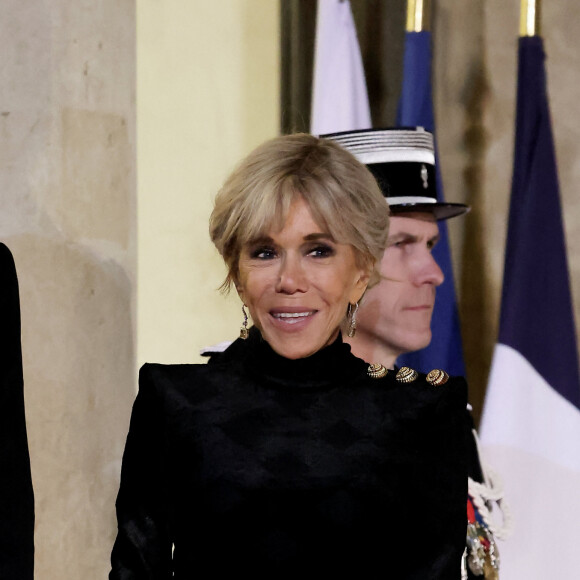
[297, 345]
[294, 354]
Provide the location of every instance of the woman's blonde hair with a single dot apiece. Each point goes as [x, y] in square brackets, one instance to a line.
[342, 194]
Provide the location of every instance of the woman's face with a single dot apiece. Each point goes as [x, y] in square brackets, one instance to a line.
[297, 283]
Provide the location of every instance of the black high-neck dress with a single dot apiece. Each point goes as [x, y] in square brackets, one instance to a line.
[255, 466]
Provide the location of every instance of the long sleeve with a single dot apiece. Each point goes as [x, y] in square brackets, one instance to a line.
[16, 495]
[142, 549]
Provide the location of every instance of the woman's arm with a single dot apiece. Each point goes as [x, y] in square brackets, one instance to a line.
[143, 546]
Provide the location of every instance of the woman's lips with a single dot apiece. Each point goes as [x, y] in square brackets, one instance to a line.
[284, 318]
[293, 317]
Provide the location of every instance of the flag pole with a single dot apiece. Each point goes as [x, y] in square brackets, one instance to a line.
[530, 17]
[418, 15]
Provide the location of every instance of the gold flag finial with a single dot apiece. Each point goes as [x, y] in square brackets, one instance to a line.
[530, 17]
[418, 15]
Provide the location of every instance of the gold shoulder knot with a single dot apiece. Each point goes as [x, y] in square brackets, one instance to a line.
[437, 377]
[406, 375]
[376, 371]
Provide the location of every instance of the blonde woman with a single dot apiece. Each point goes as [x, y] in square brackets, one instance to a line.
[286, 456]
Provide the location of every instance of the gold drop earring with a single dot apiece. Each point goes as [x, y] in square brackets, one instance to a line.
[244, 332]
[352, 319]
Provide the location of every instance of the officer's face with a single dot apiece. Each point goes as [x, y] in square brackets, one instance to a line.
[397, 311]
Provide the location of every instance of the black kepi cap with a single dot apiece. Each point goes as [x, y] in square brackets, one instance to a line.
[403, 163]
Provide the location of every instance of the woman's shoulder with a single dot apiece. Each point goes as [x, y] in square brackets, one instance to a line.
[167, 380]
[435, 383]
[180, 372]
[407, 394]
[220, 376]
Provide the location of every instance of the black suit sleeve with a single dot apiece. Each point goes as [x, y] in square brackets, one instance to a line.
[142, 549]
[16, 495]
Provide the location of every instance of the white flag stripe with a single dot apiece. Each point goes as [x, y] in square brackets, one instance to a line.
[534, 417]
[530, 435]
[542, 496]
[339, 100]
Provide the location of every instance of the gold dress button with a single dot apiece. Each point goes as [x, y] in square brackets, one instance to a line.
[376, 371]
[437, 377]
[406, 375]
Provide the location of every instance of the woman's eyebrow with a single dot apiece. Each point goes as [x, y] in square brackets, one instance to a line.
[260, 240]
[318, 236]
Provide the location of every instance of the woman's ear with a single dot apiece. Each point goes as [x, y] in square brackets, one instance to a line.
[235, 278]
[360, 285]
[239, 290]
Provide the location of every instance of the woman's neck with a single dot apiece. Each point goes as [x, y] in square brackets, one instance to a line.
[373, 351]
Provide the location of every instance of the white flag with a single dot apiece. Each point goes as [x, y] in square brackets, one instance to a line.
[339, 100]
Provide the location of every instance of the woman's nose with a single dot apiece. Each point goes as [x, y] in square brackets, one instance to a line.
[291, 276]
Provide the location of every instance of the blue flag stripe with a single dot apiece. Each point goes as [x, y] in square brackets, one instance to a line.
[536, 315]
[416, 108]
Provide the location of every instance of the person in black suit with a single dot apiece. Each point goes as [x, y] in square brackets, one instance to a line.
[16, 494]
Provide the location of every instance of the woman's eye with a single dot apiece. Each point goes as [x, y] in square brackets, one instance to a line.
[322, 251]
[263, 253]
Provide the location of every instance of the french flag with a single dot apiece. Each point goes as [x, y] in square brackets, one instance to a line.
[530, 428]
[339, 93]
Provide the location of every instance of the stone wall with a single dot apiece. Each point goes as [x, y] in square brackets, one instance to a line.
[67, 212]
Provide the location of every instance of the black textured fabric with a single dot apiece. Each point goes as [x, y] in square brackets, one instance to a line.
[261, 467]
[17, 499]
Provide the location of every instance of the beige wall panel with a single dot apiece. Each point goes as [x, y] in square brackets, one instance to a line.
[208, 92]
[67, 211]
